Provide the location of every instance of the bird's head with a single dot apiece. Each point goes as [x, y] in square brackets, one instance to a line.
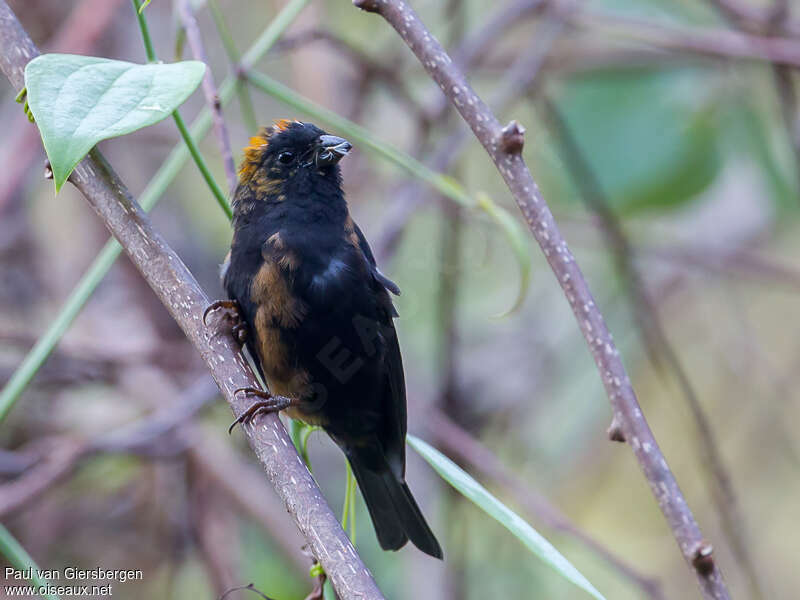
[290, 159]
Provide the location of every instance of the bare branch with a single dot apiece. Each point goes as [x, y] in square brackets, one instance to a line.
[182, 296]
[540, 220]
[657, 342]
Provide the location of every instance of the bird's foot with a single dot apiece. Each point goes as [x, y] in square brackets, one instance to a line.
[233, 313]
[269, 403]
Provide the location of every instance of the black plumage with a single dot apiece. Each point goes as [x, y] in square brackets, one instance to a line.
[319, 315]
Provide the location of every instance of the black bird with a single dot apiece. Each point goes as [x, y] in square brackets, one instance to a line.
[318, 316]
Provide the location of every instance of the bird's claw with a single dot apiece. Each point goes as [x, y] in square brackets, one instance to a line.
[269, 403]
[233, 313]
[231, 309]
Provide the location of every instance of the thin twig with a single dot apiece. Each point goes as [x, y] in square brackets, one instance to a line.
[739, 261]
[772, 21]
[215, 531]
[185, 300]
[504, 146]
[787, 97]
[592, 195]
[60, 462]
[369, 68]
[473, 49]
[447, 304]
[696, 40]
[784, 82]
[209, 90]
[234, 59]
[51, 461]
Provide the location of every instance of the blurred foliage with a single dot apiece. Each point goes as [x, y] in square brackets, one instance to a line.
[646, 136]
[697, 162]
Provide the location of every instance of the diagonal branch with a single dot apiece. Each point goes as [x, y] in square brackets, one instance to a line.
[504, 146]
[657, 342]
[182, 296]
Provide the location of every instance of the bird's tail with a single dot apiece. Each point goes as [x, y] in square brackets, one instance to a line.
[394, 512]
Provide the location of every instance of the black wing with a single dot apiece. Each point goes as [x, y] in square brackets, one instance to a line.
[395, 425]
[376, 274]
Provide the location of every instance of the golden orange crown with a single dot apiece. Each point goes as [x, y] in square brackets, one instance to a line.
[258, 144]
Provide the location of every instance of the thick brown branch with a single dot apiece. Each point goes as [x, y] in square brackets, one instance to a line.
[182, 296]
[537, 214]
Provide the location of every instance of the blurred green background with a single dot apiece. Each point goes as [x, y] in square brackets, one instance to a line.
[692, 154]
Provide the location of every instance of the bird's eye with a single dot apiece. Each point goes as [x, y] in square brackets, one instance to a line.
[286, 157]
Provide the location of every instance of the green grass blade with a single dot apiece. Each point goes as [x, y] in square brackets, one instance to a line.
[20, 559]
[474, 491]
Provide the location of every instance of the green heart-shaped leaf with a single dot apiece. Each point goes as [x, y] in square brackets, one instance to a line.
[78, 101]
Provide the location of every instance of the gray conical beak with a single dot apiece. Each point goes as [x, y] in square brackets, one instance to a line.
[330, 150]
